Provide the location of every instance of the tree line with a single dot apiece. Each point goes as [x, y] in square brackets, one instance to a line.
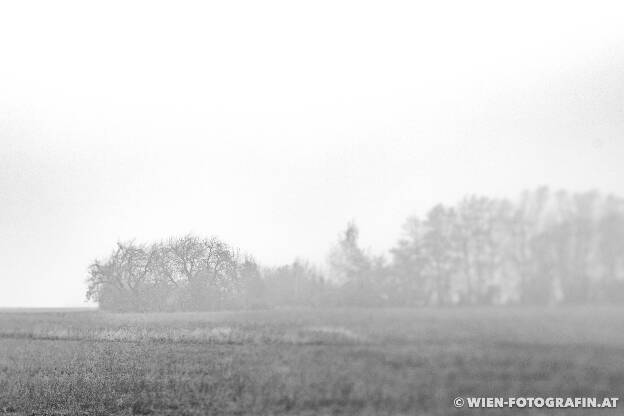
[544, 247]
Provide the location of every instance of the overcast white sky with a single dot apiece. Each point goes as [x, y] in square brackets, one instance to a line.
[271, 124]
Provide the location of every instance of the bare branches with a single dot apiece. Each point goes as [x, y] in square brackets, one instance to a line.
[545, 247]
[180, 273]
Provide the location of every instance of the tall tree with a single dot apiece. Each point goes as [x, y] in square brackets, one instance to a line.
[408, 279]
[441, 253]
[354, 269]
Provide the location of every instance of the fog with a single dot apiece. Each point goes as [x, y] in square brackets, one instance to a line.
[274, 124]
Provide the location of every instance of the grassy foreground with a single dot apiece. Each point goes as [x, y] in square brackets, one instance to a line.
[306, 362]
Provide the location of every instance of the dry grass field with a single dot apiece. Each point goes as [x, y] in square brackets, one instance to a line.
[305, 362]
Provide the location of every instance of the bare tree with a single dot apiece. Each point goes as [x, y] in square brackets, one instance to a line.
[122, 277]
[441, 253]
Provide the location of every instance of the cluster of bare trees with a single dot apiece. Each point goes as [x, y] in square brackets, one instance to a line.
[187, 273]
[544, 247]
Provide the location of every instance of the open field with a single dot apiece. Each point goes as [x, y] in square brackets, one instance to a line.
[306, 362]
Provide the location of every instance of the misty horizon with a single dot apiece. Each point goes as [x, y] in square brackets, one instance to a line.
[335, 207]
[274, 133]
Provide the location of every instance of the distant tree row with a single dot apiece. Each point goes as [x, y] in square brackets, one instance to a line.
[545, 247]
